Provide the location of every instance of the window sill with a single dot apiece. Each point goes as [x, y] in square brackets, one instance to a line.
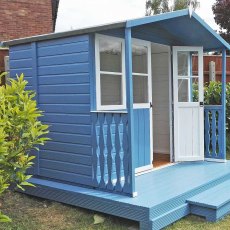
[109, 111]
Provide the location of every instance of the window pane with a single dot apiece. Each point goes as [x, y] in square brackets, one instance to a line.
[183, 63]
[140, 89]
[183, 90]
[110, 56]
[139, 57]
[111, 89]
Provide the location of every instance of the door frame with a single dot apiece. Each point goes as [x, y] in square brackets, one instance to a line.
[175, 95]
[170, 103]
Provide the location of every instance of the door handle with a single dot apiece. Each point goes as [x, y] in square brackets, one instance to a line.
[201, 104]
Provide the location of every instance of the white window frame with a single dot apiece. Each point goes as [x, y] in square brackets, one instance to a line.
[148, 74]
[99, 106]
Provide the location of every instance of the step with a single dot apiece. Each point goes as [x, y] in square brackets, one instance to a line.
[166, 218]
[171, 216]
[213, 204]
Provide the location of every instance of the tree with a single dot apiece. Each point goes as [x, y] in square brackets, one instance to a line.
[163, 6]
[20, 132]
[221, 10]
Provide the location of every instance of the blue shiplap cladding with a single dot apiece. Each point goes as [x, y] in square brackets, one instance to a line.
[21, 61]
[141, 137]
[64, 95]
[59, 71]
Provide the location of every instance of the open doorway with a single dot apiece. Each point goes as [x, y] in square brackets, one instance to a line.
[161, 100]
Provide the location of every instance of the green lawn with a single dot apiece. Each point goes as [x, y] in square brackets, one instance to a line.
[30, 213]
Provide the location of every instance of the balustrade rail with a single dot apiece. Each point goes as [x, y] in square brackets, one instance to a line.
[111, 155]
[214, 147]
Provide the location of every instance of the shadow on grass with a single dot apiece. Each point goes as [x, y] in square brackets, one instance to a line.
[31, 213]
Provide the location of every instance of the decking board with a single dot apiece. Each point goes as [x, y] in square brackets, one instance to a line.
[161, 199]
[213, 198]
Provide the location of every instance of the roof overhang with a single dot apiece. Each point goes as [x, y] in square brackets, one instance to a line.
[43, 37]
[179, 28]
[175, 28]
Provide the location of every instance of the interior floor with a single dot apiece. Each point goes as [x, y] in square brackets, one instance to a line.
[160, 159]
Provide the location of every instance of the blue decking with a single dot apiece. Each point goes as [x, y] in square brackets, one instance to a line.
[162, 194]
[213, 203]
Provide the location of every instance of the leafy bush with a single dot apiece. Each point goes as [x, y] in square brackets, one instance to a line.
[212, 93]
[20, 132]
[212, 96]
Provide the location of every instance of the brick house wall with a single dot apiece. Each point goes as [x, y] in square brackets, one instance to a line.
[24, 18]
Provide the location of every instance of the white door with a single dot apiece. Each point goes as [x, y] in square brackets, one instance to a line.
[188, 103]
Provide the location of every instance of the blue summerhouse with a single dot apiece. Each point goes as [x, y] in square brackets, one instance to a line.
[122, 99]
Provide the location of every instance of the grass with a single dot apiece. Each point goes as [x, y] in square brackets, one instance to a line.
[29, 213]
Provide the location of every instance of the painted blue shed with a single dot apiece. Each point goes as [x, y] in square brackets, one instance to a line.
[118, 96]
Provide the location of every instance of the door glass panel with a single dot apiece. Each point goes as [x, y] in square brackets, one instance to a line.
[140, 59]
[188, 76]
[111, 89]
[183, 90]
[110, 56]
[140, 89]
[188, 90]
[183, 58]
[195, 89]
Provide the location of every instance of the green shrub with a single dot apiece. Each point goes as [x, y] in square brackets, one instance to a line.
[20, 132]
[212, 96]
[212, 93]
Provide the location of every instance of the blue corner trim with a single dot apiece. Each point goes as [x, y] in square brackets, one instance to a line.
[35, 84]
[92, 72]
[129, 98]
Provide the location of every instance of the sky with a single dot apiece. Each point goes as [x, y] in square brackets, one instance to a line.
[74, 14]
